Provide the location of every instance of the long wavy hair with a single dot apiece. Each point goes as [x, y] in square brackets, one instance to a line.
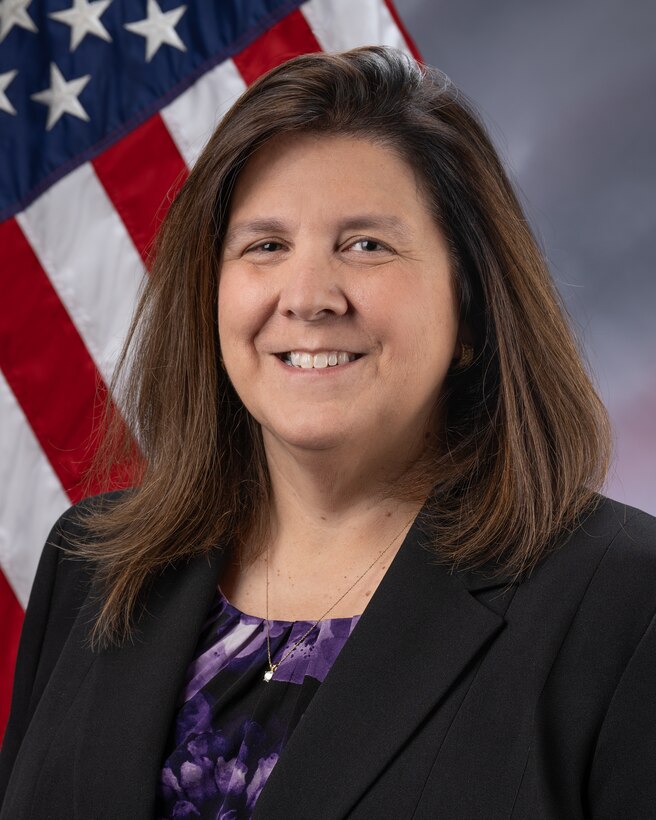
[525, 438]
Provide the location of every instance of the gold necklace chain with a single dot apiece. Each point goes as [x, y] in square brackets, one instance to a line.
[268, 675]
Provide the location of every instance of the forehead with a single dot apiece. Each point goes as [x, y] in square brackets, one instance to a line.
[354, 169]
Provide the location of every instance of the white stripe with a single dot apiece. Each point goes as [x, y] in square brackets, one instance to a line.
[342, 24]
[86, 251]
[192, 117]
[31, 499]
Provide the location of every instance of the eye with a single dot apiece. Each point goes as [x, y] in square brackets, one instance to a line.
[269, 246]
[369, 245]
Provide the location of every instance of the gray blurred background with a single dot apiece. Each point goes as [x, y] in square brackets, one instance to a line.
[568, 91]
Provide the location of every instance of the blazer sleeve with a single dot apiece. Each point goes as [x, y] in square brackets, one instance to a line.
[60, 586]
[622, 782]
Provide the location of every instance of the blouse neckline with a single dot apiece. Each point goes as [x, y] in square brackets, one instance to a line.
[245, 617]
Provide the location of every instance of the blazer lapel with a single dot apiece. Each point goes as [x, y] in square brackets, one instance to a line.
[131, 695]
[420, 630]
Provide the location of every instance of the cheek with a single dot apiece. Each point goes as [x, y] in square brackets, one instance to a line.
[240, 310]
[430, 324]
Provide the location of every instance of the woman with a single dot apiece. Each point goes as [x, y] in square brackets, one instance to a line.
[365, 572]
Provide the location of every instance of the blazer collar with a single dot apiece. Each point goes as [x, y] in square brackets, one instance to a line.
[381, 686]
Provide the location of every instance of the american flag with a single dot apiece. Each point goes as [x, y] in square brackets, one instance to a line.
[104, 106]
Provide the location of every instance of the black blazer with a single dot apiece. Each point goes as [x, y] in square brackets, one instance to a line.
[452, 699]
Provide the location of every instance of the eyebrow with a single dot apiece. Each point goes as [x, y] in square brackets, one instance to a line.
[362, 222]
[376, 222]
[254, 226]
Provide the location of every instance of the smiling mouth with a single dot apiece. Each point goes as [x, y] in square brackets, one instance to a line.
[317, 361]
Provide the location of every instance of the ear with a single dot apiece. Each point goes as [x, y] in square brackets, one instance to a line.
[465, 335]
[463, 354]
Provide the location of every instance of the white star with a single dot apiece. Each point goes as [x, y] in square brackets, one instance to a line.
[158, 28]
[14, 13]
[84, 18]
[5, 79]
[62, 97]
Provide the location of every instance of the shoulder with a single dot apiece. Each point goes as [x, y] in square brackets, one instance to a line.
[610, 653]
[599, 584]
[608, 533]
[615, 537]
[63, 578]
[61, 586]
[620, 521]
[622, 542]
[71, 526]
[595, 591]
[625, 538]
[71, 529]
[60, 589]
[610, 541]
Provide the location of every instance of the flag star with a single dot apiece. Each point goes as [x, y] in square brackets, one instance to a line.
[84, 18]
[14, 13]
[5, 79]
[62, 97]
[158, 28]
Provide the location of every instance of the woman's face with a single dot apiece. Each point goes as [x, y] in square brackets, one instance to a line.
[338, 317]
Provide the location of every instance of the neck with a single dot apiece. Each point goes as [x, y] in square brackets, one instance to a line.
[336, 508]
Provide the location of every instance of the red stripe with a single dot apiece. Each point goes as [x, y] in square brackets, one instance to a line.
[288, 38]
[46, 363]
[11, 618]
[141, 174]
[404, 31]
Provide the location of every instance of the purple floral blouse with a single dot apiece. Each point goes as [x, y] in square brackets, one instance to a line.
[231, 725]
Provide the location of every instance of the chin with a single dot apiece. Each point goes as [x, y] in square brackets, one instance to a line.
[306, 436]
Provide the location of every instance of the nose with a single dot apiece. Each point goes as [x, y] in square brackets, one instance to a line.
[311, 292]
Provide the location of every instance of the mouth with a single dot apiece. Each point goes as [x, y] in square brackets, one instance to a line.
[319, 360]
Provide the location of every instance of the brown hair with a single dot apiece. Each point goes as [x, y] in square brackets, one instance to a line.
[525, 437]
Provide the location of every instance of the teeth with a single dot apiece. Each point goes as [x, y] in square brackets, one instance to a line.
[308, 361]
